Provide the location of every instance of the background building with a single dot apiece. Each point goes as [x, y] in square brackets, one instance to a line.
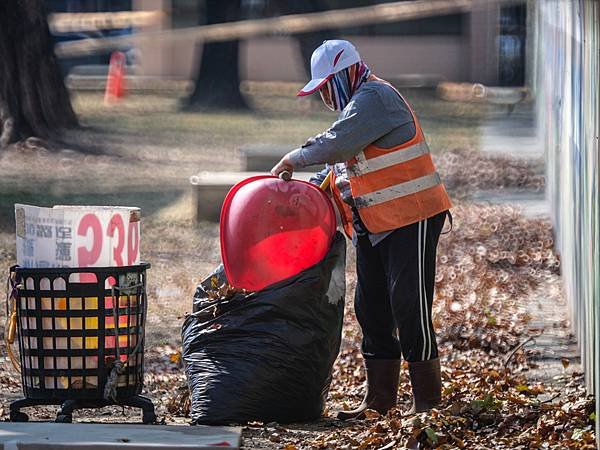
[486, 45]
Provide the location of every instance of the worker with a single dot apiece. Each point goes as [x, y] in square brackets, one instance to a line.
[393, 205]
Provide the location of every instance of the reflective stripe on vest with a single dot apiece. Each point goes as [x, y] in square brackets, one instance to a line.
[364, 166]
[398, 191]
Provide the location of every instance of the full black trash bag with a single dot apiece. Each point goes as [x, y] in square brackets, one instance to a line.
[267, 356]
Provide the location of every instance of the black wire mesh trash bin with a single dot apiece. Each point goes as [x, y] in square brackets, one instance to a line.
[81, 338]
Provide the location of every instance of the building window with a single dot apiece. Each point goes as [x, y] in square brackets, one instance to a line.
[511, 45]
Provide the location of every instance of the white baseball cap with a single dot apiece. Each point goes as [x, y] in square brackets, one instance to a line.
[329, 58]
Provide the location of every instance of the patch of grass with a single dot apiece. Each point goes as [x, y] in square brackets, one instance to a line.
[155, 122]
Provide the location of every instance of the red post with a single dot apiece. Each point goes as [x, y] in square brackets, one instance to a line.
[115, 81]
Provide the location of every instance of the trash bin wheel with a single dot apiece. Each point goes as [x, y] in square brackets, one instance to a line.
[63, 418]
[148, 417]
[18, 416]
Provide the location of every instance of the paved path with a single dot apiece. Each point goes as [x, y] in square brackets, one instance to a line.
[58, 436]
[512, 134]
[532, 204]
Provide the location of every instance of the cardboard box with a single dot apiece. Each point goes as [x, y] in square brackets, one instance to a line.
[77, 236]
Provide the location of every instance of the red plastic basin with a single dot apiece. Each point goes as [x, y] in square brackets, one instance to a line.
[273, 229]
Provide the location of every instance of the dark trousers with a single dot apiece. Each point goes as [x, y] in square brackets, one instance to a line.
[394, 292]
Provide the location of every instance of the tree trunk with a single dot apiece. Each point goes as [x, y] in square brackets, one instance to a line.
[218, 82]
[33, 98]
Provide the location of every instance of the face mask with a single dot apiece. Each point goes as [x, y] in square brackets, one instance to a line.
[326, 96]
[340, 87]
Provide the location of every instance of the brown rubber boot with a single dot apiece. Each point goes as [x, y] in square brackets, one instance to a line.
[426, 381]
[382, 388]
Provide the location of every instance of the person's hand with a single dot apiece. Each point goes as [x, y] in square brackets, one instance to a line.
[282, 166]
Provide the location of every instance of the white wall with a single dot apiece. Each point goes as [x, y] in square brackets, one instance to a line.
[568, 57]
[279, 58]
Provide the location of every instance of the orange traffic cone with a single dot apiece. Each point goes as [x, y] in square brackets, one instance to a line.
[115, 82]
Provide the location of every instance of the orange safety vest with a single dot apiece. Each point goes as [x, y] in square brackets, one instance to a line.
[393, 187]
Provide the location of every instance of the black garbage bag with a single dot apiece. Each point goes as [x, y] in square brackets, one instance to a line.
[266, 356]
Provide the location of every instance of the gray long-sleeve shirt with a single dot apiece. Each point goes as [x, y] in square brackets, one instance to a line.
[377, 115]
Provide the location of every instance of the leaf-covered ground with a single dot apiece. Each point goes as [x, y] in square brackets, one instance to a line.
[490, 265]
